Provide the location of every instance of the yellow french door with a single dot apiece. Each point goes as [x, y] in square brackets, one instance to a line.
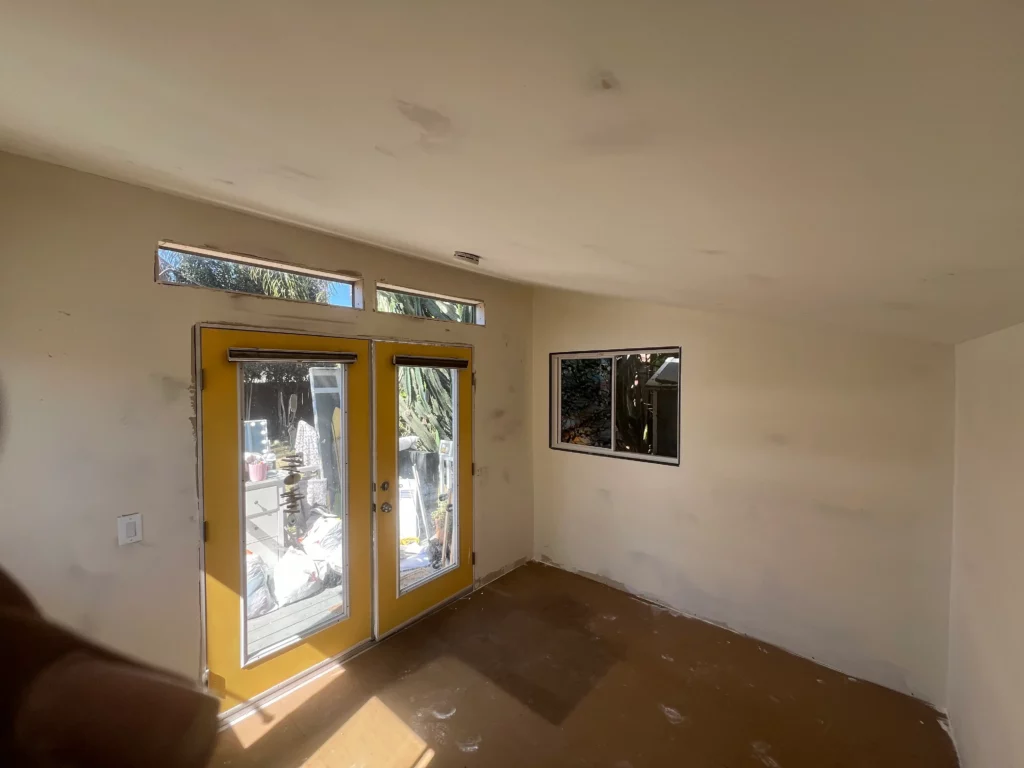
[287, 486]
[424, 501]
[287, 483]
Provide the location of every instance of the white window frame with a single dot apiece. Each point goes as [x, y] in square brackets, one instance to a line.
[555, 403]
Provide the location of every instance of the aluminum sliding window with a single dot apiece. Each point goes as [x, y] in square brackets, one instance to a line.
[623, 403]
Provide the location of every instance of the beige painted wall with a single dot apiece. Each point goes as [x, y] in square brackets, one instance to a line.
[95, 373]
[812, 508]
[986, 659]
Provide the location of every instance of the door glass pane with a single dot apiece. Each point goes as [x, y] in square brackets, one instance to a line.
[294, 473]
[428, 519]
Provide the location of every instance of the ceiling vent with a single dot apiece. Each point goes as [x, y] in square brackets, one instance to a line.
[469, 258]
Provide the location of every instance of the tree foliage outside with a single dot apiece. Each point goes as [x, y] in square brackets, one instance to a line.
[586, 408]
[586, 401]
[425, 405]
[399, 303]
[278, 381]
[195, 269]
[634, 408]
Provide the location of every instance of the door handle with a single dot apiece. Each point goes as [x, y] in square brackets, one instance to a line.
[385, 507]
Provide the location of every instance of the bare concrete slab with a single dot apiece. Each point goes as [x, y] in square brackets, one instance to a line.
[547, 668]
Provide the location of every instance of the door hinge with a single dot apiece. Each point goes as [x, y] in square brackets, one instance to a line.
[216, 684]
[474, 558]
[206, 530]
[202, 379]
[474, 379]
[373, 507]
[472, 471]
[374, 487]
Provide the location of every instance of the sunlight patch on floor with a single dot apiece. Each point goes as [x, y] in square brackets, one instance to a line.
[374, 737]
[258, 724]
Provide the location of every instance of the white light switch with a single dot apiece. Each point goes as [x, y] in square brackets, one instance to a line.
[129, 529]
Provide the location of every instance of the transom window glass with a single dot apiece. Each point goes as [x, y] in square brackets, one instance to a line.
[407, 301]
[622, 403]
[235, 273]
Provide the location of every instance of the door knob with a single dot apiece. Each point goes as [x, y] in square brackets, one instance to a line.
[385, 507]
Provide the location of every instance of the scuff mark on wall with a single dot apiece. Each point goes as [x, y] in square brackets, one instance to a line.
[603, 579]
[497, 574]
[289, 172]
[171, 388]
[505, 427]
[605, 80]
[436, 129]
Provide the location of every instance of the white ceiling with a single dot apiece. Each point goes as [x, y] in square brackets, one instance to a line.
[857, 162]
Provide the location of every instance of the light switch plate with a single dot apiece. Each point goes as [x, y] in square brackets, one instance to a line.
[129, 529]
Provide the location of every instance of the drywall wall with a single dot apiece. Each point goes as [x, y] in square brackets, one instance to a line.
[986, 668]
[95, 372]
[813, 504]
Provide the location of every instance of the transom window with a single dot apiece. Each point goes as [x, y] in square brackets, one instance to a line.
[433, 306]
[622, 403]
[237, 273]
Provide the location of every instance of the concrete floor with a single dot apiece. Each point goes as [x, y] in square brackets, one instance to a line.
[546, 668]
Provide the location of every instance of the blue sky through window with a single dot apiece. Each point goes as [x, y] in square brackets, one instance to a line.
[339, 294]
